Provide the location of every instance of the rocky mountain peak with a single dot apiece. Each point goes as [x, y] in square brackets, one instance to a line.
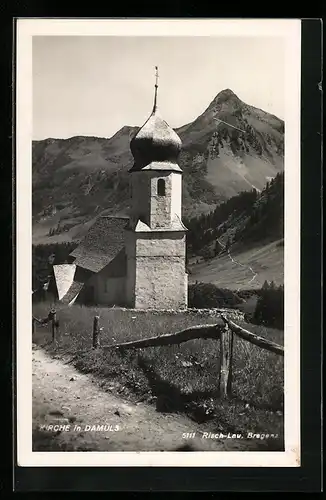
[226, 94]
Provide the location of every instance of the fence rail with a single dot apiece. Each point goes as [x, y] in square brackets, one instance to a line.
[194, 332]
[253, 338]
[223, 330]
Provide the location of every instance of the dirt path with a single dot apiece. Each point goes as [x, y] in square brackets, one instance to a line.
[72, 402]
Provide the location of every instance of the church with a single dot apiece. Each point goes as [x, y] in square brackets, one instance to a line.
[136, 261]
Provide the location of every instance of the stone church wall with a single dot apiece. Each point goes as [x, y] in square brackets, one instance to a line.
[160, 277]
[160, 283]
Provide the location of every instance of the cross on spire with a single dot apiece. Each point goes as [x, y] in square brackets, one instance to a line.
[156, 87]
[156, 76]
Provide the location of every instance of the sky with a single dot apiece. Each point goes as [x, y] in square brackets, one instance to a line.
[95, 85]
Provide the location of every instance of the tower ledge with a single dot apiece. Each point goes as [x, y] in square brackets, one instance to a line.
[157, 166]
[140, 227]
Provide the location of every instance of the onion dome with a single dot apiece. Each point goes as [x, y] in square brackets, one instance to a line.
[156, 146]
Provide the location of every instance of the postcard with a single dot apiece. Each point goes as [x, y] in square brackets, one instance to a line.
[158, 242]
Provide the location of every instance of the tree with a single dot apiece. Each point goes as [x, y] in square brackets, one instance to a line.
[270, 306]
[217, 248]
[207, 295]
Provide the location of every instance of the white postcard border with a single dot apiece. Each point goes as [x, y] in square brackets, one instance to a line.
[290, 30]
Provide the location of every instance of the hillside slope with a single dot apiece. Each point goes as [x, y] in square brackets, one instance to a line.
[243, 269]
[76, 179]
[240, 244]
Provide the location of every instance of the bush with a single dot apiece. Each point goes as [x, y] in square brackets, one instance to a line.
[207, 295]
[270, 306]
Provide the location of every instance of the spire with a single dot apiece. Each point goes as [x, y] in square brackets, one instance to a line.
[156, 143]
[156, 87]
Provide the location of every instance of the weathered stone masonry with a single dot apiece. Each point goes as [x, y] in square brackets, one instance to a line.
[155, 245]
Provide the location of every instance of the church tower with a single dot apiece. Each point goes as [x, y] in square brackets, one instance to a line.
[156, 238]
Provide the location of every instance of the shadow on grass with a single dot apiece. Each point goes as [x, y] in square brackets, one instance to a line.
[204, 406]
[169, 398]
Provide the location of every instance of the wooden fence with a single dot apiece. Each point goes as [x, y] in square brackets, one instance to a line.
[50, 319]
[223, 331]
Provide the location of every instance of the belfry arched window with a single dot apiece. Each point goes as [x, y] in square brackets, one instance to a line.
[161, 187]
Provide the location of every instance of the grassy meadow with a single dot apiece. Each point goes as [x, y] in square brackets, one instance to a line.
[266, 261]
[179, 378]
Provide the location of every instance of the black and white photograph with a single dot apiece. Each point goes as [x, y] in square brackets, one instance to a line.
[158, 224]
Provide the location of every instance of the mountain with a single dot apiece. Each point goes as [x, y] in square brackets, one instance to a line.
[241, 243]
[76, 179]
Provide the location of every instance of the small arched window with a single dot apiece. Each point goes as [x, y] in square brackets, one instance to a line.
[161, 187]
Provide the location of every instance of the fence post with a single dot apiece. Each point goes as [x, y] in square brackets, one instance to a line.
[226, 362]
[54, 324]
[96, 332]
